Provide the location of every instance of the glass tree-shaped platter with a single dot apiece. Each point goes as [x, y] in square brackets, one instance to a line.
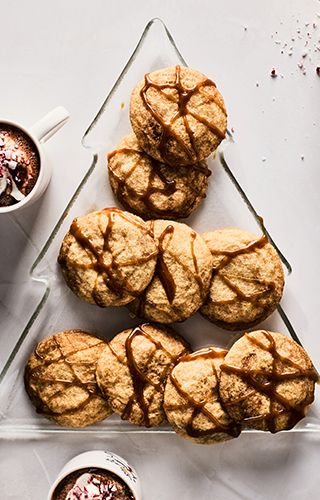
[58, 309]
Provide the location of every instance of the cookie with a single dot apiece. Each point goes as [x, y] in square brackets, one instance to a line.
[108, 257]
[60, 379]
[133, 368]
[178, 115]
[152, 189]
[267, 381]
[182, 277]
[247, 280]
[192, 402]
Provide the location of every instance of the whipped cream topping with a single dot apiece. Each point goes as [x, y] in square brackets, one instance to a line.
[89, 487]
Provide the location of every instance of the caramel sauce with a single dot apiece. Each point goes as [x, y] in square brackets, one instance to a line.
[139, 379]
[112, 273]
[167, 189]
[162, 269]
[34, 376]
[239, 294]
[182, 99]
[269, 387]
[199, 407]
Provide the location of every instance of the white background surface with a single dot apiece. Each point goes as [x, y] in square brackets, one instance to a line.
[71, 53]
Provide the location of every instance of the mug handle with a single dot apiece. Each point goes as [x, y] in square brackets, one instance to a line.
[44, 128]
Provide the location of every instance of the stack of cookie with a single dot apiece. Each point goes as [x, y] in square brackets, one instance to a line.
[148, 374]
[179, 118]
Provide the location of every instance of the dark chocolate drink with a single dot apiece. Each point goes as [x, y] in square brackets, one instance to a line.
[92, 484]
[19, 165]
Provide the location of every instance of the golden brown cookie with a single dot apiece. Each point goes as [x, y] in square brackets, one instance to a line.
[108, 257]
[182, 278]
[133, 368]
[152, 189]
[247, 280]
[178, 115]
[60, 379]
[267, 381]
[191, 399]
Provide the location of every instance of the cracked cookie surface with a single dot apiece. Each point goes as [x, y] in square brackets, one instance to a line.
[178, 115]
[108, 257]
[247, 279]
[152, 189]
[192, 402]
[133, 368]
[182, 276]
[61, 382]
[267, 381]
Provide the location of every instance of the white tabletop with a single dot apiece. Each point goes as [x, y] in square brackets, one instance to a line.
[71, 53]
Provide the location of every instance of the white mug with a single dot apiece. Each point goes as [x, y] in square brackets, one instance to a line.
[40, 132]
[101, 460]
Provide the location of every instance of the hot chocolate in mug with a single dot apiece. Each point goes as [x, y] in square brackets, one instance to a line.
[24, 171]
[96, 474]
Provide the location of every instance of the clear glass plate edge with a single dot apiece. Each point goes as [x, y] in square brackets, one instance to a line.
[7, 430]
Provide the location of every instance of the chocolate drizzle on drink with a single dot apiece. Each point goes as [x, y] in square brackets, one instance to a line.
[267, 383]
[92, 483]
[184, 108]
[46, 353]
[112, 273]
[268, 286]
[19, 165]
[200, 407]
[141, 380]
[156, 176]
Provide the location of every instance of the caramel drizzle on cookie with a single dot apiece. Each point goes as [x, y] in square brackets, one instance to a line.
[167, 189]
[111, 273]
[141, 380]
[268, 387]
[184, 95]
[35, 377]
[163, 272]
[239, 294]
[199, 407]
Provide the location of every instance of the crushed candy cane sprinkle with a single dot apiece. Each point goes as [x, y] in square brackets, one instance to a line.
[89, 487]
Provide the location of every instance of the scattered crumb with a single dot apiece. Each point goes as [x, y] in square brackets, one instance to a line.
[306, 34]
[122, 105]
[257, 84]
[318, 70]
[263, 159]
[302, 67]
[273, 73]
[302, 157]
